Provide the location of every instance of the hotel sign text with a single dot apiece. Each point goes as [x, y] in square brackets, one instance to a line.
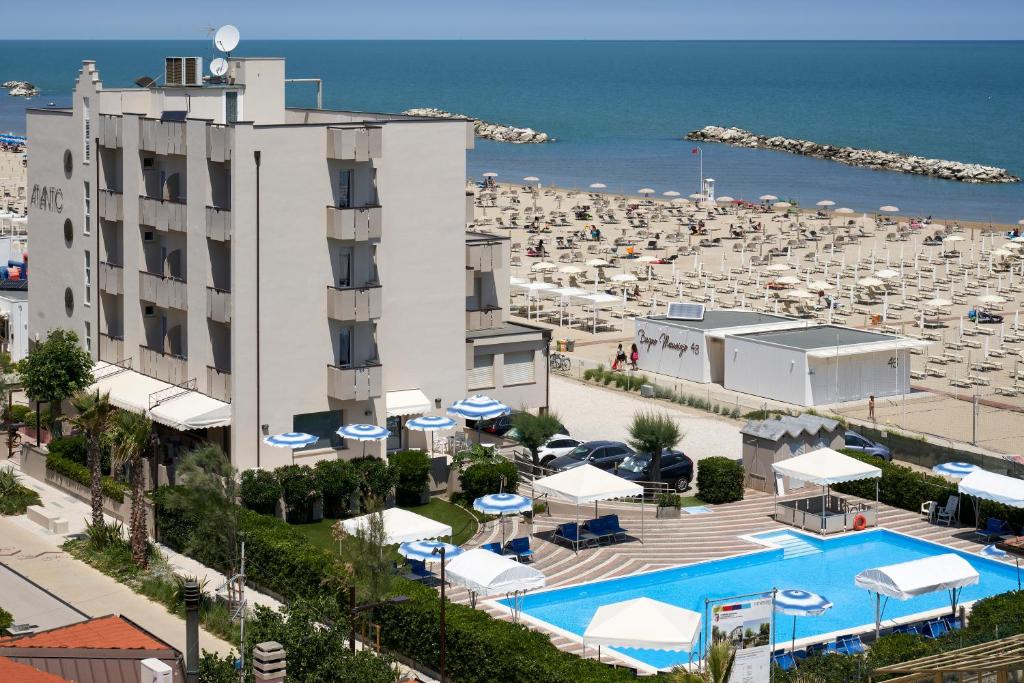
[663, 340]
[47, 198]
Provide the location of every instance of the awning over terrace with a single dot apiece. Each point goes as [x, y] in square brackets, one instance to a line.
[587, 484]
[995, 487]
[826, 467]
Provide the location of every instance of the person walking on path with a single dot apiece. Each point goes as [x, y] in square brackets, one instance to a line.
[620, 358]
[871, 407]
[634, 356]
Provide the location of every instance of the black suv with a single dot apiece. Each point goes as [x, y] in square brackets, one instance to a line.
[604, 454]
[676, 469]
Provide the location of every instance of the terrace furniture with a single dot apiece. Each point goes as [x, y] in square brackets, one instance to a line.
[935, 629]
[612, 523]
[951, 623]
[947, 514]
[418, 570]
[520, 547]
[574, 536]
[909, 629]
[783, 660]
[994, 528]
[821, 649]
[929, 508]
[599, 528]
[493, 547]
[849, 645]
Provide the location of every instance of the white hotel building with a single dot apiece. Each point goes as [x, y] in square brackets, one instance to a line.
[239, 268]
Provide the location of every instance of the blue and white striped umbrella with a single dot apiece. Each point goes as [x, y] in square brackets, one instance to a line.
[430, 423]
[502, 504]
[424, 551]
[290, 440]
[478, 407]
[800, 603]
[363, 432]
[993, 552]
[955, 469]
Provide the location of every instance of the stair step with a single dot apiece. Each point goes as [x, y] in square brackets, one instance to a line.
[792, 545]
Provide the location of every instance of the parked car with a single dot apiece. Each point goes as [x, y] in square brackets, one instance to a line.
[557, 446]
[603, 454]
[676, 469]
[862, 444]
[501, 426]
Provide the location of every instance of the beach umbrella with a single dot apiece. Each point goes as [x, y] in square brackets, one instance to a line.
[543, 265]
[782, 206]
[598, 263]
[991, 299]
[531, 179]
[957, 470]
[788, 280]
[826, 203]
[953, 238]
[887, 274]
[843, 211]
[937, 303]
[597, 186]
[431, 424]
[869, 282]
[424, 551]
[291, 440]
[623, 277]
[777, 268]
[643, 623]
[767, 198]
[502, 504]
[670, 193]
[799, 603]
[801, 294]
[696, 196]
[645, 191]
[478, 407]
[364, 433]
[888, 209]
[679, 201]
[572, 270]
[724, 199]
[820, 286]
[490, 174]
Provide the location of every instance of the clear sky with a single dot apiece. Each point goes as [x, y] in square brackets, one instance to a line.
[521, 19]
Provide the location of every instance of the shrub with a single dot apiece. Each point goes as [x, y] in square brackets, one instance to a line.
[997, 616]
[900, 647]
[376, 479]
[260, 491]
[6, 619]
[112, 489]
[482, 478]
[412, 469]
[720, 480]
[337, 481]
[15, 498]
[19, 413]
[669, 499]
[298, 486]
[73, 448]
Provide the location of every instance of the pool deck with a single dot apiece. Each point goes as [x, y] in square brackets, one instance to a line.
[671, 542]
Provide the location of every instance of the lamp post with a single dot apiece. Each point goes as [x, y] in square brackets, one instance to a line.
[354, 609]
[439, 550]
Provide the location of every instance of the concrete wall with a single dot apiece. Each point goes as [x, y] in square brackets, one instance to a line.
[774, 372]
[883, 373]
[673, 351]
[526, 396]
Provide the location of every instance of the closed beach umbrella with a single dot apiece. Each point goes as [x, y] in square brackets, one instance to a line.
[364, 433]
[957, 470]
[424, 551]
[431, 424]
[799, 603]
[290, 440]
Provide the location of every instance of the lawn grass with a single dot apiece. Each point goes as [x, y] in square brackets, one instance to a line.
[462, 523]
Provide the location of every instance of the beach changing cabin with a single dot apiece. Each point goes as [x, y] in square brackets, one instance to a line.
[766, 442]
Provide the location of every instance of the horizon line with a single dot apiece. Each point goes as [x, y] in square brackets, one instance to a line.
[541, 40]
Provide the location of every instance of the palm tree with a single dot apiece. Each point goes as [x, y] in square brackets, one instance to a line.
[535, 430]
[652, 433]
[130, 439]
[717, 666]
[93, 414]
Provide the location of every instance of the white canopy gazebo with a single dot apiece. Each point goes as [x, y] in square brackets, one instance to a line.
[598, 300]
[948, 572]
[532, 289]
[563, 295]
[484, 573]
[589, 484]
[999, 488]
[828, 514]
[400, 526]
[643, 623]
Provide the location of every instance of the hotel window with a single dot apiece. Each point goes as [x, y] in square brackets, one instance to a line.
[231, 107]
[88, 279]
[86, 131]
[345, 267]
[519, 368]
[88, 336]
[345, 347]
[482, 374]
[322, 425]
[344, 188]
[87, 223]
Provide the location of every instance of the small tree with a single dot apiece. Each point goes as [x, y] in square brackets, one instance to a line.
[535, 430]
[54, 370]
[129, 440]
[717, 669]
[260, 491]
[652, 433]
[337, 481]
[93, 414]
[299, 487]
[412, 472]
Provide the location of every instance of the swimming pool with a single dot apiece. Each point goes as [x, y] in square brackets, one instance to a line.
[824, 566]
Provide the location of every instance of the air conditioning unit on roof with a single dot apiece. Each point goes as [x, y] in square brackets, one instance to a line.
[183, 71]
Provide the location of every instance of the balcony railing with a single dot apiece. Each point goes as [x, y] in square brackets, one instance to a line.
[356, 223]
[218, 143]
[218, 383]
[111, 278]
[166, 367]
[111, 348]
[484, 257]
[162, 137]
[162, 214]
[218, 305]
[486, 318]
[354, 383]
[218, 223]
[163, 290]
[354, 144]
[109, 129]
[354, 303]
[111, 205]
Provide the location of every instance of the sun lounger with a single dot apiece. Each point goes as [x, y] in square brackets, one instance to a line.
[783, 660]
[493, 547]
[600, 529]
[909, 629]
[994, 528]
[947, 514]
[574, 536]
[935, 629]
[612, 523]
[849, 645]
[418, 570]
[520, 547]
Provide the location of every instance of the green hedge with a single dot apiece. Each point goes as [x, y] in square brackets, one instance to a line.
[112, 488]
[299, 488]
[720, 480]
[259, 491]
[6, 619]
[337, 481]
[482, 478]
[412, 470]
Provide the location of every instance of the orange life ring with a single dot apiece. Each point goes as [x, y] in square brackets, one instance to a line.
[860, 523]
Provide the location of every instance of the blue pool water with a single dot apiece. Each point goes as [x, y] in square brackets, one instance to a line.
[829, 573]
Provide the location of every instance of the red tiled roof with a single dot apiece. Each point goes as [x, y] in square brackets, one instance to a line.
[14, 672]
[110, 632]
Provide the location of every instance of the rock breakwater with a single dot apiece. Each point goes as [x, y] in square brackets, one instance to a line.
[487, 130]
[20, 88]
[867, 158]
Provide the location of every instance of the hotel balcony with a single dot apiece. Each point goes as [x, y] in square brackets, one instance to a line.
[218, 223]
[163, 366]
[218, 383]
[218, 305]
[162, 137]
[111, 205]
[484, 257]
[485, 318]
[354, 383]
[218, 143]
[163, 290]
[354, 303]
[358, 223]
[111, 278]
[162, 214]
[109, 129]
[354, 144]
[111, 348]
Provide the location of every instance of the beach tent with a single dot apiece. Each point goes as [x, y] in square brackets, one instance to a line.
[589, 484]
[563, 294]
[824, 467]
[532, 289]
[643, 623]
[598, 300]
[949, 572]
[998, 488]
[483, 573]
[400, 526]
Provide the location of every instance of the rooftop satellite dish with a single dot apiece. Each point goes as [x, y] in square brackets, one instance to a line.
[218, 66]
[226, 38]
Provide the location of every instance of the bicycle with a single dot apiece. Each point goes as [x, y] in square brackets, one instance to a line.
[559, 362]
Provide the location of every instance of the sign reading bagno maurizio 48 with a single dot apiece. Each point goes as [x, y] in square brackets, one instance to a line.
[47, 198]
[672, 350]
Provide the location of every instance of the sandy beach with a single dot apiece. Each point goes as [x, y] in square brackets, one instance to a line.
[12, 182]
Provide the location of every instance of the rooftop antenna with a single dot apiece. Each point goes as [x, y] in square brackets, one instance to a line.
[226, 39]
